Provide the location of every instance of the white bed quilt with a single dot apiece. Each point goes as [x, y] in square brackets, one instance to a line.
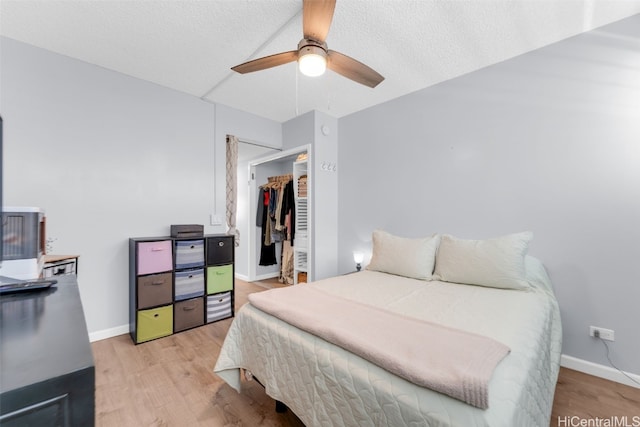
[326, 385]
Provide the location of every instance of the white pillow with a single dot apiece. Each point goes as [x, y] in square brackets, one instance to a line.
[413, 258]
[497, 262]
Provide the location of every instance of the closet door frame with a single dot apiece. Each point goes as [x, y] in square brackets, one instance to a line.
[253, 200]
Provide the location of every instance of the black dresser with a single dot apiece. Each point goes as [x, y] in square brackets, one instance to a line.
[47, 374]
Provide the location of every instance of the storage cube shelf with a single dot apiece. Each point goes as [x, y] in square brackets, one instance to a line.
[177, 284]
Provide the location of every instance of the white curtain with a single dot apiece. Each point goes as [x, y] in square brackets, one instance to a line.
[232, 186]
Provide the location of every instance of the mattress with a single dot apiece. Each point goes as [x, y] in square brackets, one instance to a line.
[326, 385]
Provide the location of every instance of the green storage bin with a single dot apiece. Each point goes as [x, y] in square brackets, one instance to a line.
[219, 279]
[154, 323]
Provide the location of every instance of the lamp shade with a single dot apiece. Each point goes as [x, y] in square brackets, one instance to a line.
[312, 61]
[358, 257]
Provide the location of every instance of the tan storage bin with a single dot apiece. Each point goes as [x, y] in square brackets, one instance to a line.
[188, 314]
[154, 290]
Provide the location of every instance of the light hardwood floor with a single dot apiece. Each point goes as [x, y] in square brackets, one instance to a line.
[170, 382]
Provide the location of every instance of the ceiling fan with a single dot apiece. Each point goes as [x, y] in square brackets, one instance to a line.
[312, 54]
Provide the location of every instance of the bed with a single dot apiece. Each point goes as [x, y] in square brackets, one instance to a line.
[324, 384]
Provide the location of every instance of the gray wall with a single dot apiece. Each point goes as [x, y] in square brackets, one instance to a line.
[110, 157]
[307, 129]
[325, 190]
[548, 142]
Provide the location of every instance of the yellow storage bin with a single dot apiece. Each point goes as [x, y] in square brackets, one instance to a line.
[154, 323]
[219, 279]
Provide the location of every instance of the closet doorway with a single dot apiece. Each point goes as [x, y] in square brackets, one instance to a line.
[247, 151]
[259, 171]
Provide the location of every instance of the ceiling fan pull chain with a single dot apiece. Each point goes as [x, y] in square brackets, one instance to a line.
[297, 76]
[329, 94]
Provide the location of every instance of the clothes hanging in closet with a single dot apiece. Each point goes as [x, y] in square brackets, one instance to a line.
[288, 211]
[275, 215]
[267, 251]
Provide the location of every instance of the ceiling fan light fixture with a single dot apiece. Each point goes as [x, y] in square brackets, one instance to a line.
[312, 61]
[313, 55]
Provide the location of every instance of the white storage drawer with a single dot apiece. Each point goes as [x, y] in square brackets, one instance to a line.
[189, 283]
[219, 307]
[189, 253]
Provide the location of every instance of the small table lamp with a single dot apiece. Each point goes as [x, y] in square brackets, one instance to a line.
[357, 258]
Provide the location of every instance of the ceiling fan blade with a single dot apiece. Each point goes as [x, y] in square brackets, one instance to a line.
[316, 18]
[266, 62]
[352, 69]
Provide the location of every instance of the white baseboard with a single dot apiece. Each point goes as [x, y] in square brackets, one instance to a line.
[262, 277]
[108, 333]
[598, 370]
[267, 276]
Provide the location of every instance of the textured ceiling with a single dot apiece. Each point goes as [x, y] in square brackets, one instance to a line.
[190, 45]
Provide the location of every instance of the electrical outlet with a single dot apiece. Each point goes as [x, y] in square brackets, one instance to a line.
[605, 334]
[215, 219]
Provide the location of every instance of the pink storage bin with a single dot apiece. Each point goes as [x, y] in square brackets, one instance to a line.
[155, 257]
